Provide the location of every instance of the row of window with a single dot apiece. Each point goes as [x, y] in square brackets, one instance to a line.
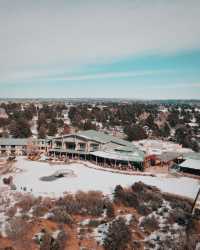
[81, 146]
[11, 146]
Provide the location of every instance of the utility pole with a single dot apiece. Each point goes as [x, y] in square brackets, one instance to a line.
[195, 201]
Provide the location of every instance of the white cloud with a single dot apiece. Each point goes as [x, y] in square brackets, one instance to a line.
[177, 85]
[108, 75]
[44, 74]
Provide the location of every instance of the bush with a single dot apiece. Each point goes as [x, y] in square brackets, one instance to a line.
[178, 202]
[139, 187]
[94, 223]
[11, 211]
[118, 236]
[61, 239]
[47, 242]
[69, 203]
[151, 196]
[126, 197]
[110, 211]
[179, 216]
[39, 210]
[150, 224]
[144, 210]
[16, 228]
[118, 193]
[27, 202]
[130, 199]
[90, 203]
[155, 204]
[137, 195]
[61, 216]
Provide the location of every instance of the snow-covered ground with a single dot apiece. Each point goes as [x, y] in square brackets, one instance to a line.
[86, 179]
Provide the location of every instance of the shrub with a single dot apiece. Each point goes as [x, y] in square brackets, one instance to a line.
[126, 197]
[90, 203]
[155, 204]
[27, 202]
[154, 197]
[139, 187]
[179, 216]
[144, 210]
[61, 216]
[11, 211]
[118, 236]
[110, 211]
[69, 203]
[150, 224]
[61, 239]
[48, 203]
[16, 228]
[47, 242]
[39, 210]
[130, 199]
[118, 193]
[137, 195]
[178, 202]
[94, 223]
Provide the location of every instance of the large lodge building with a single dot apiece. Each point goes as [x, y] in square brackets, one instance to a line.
[91, 145]
[100, 148]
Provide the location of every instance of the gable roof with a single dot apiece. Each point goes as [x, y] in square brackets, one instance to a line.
[191, 163]
[104, 138]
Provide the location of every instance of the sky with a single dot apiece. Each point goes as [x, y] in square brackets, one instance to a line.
[138, 49]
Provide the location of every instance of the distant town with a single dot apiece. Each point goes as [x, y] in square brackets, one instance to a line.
[175, 121]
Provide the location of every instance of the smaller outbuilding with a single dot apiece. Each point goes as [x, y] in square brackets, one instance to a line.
[191, 164]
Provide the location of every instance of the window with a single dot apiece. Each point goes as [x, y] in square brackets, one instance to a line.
[82, 146]
[58, 144]
[71, 146]
[94, 147]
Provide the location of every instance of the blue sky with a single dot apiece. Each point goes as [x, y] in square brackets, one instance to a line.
[129, 49]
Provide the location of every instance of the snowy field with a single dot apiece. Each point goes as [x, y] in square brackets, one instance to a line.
[85, 179]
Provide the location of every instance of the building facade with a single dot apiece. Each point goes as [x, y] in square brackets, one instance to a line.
[13, 146]
[99, 147]
[90, 145]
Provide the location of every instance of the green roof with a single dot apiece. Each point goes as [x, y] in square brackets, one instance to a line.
[95, 135]
[136, 156]
[104, 138]
[13, 142]
[192, 155]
